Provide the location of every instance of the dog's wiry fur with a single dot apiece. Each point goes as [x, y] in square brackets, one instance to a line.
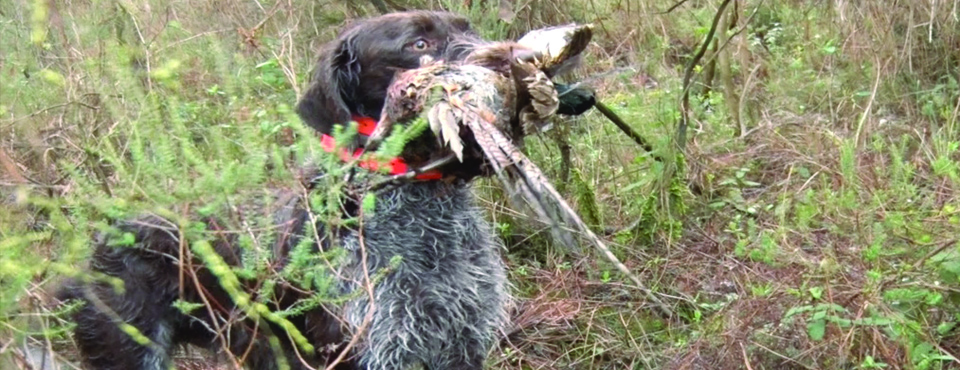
[442, 303]
[440, 308]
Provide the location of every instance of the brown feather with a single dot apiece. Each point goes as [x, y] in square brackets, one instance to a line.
[559, 47]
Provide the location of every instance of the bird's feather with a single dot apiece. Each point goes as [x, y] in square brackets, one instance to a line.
[559, 47]
[449, 127]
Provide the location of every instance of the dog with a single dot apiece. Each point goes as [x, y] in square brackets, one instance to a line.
[353, 72]
[439, 307]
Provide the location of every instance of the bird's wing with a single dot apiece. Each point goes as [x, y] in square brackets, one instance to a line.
[533, 84]
[559, 47]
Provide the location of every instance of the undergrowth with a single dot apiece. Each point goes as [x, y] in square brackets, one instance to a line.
[810, 222]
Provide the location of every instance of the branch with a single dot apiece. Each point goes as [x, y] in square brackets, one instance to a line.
[688, 75]
[674, 7]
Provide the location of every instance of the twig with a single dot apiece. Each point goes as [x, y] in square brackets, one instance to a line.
[11, 167]
[201, 34]
[873, 95]
[688, 75]
[52, 107]
[287, 66]
[943, 245]
[371, 306]
[186, 263]
[746, 361]
[673, 7]
[664, 309]
[742, 104]
[737, 32]
[793, 361]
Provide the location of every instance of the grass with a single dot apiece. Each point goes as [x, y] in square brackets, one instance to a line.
[823, 236]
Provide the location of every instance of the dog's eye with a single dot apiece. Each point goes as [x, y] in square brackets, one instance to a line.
[420, 45]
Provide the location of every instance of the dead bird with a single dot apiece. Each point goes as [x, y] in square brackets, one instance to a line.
[480, 109]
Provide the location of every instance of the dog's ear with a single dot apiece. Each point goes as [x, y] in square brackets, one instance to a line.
[337, 76]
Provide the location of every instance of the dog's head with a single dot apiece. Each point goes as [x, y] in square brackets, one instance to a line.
[354, 70]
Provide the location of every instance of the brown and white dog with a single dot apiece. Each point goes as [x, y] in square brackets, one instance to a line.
[439, 308]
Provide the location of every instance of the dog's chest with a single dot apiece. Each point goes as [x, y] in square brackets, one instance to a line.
[428, 226]
[443, 273]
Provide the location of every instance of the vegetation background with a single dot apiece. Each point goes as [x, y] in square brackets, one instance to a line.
[806, 218]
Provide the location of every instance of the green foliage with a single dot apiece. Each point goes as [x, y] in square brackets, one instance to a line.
[483, 17]
[393, 145]
[587, 199]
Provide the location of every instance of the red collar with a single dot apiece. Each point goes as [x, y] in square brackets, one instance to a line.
[396, 166]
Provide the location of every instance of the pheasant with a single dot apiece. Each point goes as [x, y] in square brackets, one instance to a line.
[479, 112]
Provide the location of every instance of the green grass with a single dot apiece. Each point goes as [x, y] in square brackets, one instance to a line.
[824, 236]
